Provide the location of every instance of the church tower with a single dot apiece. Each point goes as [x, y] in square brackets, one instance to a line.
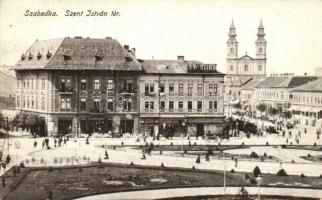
[232, 50]
[260, 51]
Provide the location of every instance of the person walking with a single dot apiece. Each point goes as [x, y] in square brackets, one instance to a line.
[35, 144]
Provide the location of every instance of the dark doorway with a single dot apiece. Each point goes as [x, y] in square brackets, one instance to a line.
[64, 126]
[127, 126]
[200, 131]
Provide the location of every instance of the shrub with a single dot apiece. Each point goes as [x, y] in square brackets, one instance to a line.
[185, 151]
[243, 144]
[281, 172]
[314, 143]
[80, 169]
[99, 160]
[283, 146]
[160, 152]
[267, 143]
[256, 171]
[302, 175]
[253, 155]
[195, 144]
[193, 167]
[293, 161]
[162, 165]
[270, 157]
[55, 161]
[232, 171]
[265, 154]
[131, 163]
[171, 144]
[247, 176]
[50, 169]
[33, 160]
[252, 180]
[22, 165]
[209, 151]
[262, 159]
[308, 155]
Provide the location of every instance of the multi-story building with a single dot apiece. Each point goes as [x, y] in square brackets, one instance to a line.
[275, 91]
[82, 85]
[242, 70]
[307, 100]
[179, 96]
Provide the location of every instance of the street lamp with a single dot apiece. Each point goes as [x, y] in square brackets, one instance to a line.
[259, 181]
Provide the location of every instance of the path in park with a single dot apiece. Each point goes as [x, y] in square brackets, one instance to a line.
[184, 192]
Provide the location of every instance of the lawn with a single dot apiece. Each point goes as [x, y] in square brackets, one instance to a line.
[68, 183]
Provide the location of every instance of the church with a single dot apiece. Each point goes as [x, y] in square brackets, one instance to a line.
[245, 69]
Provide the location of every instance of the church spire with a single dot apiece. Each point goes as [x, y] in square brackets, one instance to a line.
[260, 32]
[232, 30]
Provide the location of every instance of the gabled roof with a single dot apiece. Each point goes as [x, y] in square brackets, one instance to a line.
[284, 81]
[152, 66]
[312, 86]
[251, 84]
[82, 52]
[246, 57]
[237, 81]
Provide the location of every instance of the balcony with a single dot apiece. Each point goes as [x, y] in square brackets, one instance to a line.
[66, 90]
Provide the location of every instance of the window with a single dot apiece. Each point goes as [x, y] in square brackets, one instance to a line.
[96, 84]
[32, 83]
[189, 105]
[18, 83]
[260, 68]
[199, 105]
[67, 57]
[146, 90]
[32, 102]
[43, 99]
[215, 105]
[171, 88]
[149, 88]
[63, 104]
[83, 84]
[68, 84]
[36, 102]
[24, 84]
[128, 85]
[110, 84]
[215, 89]
[171, 105]
[161, 87]
[83, 104]
[231, 67]
[127, 105]
[110, 105]
[43, 83]
[68, 103]
[37, 82]
[18, 101]
[151, 105]
[27, 84]
[180, 105]
[210, 105]
[260, 50]
[180, 89]
[190, 89]
[62, 84]
[211, 87]
[199, 92]
[146, 105]
[231, 50]
[246, 68]
[162, 105]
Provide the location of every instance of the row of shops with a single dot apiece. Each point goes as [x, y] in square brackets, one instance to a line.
[307, 111]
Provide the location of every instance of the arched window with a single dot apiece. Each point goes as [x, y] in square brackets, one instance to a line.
[231, 67]
[260, 50]
[260, 67]
[231, 50]
[246, 68]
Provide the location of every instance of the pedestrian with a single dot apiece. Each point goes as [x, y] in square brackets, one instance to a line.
[198, 159]
[143, 156]
[43, 144]
[55, 142]
[207, 156]
[35, 144]
[236, 162]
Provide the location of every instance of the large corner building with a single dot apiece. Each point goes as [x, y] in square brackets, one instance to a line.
[83, 85]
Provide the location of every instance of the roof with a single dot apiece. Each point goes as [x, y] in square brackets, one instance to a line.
[246, 57]
[251, 84]
[80, 54]
[312, 86]
[284, 81]
[237, 81]
[152, 66]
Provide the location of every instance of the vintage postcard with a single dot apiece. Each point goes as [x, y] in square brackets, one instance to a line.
[156, 99]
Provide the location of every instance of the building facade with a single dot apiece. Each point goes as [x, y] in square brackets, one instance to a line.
[181, 97]
[83, 85]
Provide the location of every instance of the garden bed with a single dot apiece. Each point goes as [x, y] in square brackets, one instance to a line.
[77, 181]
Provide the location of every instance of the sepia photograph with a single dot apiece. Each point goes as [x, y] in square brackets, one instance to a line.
[162, 100]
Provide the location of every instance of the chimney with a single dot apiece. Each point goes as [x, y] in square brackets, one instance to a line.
[133, 51]
[78, 37]
[181, 58]
[126, 47]
[108, 37]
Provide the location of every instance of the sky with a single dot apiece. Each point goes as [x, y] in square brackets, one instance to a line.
[165, 29]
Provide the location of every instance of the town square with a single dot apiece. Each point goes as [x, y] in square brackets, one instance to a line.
[149, 113]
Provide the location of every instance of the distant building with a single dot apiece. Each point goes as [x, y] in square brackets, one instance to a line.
[242, 70]
[82, 85]
[276, 90]
[307, 99]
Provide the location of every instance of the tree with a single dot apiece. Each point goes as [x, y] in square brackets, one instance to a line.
[1, 120]
[238, 106]
[287, 114]
[256, 171]
[272, 111]
[261, 107]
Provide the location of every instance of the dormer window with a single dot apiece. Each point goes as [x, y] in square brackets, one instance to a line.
[30, 56]
[38, 56]
[98, 58]
[48, 55]
[128, 59]
[67, 58]
[23, 57]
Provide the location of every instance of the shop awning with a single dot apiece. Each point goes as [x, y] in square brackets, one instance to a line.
[305, 109]
[316, 110]
[294, 108]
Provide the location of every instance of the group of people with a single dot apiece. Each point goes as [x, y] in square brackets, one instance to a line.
[58, 142]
